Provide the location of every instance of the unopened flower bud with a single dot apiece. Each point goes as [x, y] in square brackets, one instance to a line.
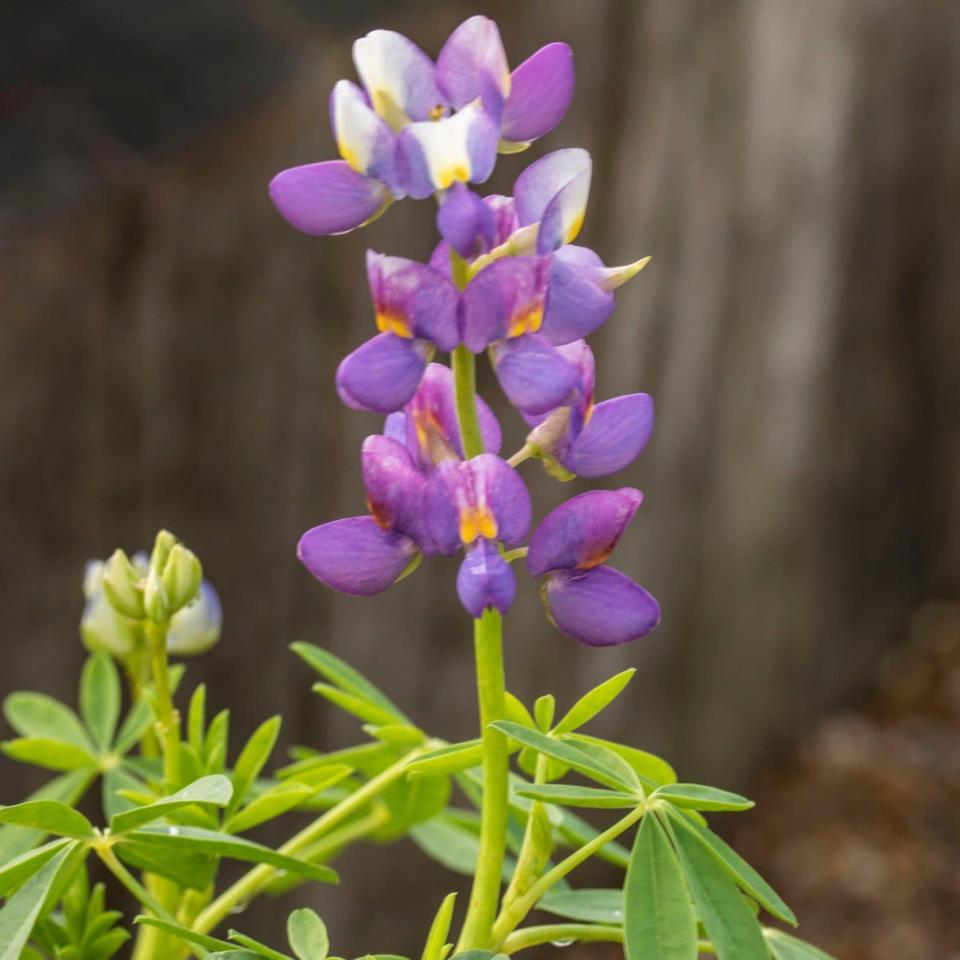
[162, 546]
[181, 577]
[121, 584]
[155, 601]
[196, 627]
[102, 628]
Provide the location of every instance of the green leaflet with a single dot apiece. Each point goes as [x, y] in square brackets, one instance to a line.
[414, 801]
[100, 698]
[450, 759]
[567, 753]
[592, 703]
[280, 799]
[730, 923]
[37, 715]
[50, 816]
[184, 933]
[738, 868]
[20, 912]
[543, 711]
[516, 711]
[307, 935]
[253, 757]
[436, 947]
[117, 781]
[49, 754]
[357, 706]
[647, 766]
[659, 921]
[785, 947]
[211, 791]
[134, 726]
[194, 869]
[587, 905]
[15, 872]
[697, 797]
[197, 718]
[348, 679]
[576, 796]
[259, 949]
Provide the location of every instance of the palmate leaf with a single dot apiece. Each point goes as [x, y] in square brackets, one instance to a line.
[785, 947]
[658, 916]
[730, 923]
[586, 905]
[749, 880]
[342, 675]
[100, 698]
[214, 791]
[307, 934]
[594, 702]
[693, 796]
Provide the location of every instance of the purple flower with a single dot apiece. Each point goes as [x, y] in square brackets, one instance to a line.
[478, 504]
[413, 127]
[592, 439]
[587, 600]
[362, 556]
[427, 426]
[416, 312]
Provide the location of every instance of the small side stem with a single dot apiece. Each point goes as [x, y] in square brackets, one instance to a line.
[133, 885]
[510, 918]
[559, 933]
[484, 897]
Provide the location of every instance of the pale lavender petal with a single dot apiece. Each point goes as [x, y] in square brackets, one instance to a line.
[564, 215]
[328, 198]
[395, 426]
[541, 89]
[576, 304]
[394, 487]
[436, 154]
[582, 532]
[600, 607]
[364, 139]
[485, 580]
[472, 64]
[533, 374]
[612, 438]
[382, 374]
[195, 628]
[466, 222]
[505, 299]
[537, 186]
[412, 299]
[356, 555]
[398, 76]
[497, 487]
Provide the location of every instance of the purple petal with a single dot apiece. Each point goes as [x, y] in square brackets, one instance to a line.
[582, 532]
[599, 607]
[398, 76]
[466, 222]
[499, 487]
[615, 433]
[382, 374]
[395, 426]
[432, 430]
[364, 139]
[541, 89]
[440, 259]
[533, 374]
[440, 507]
[564, 215]
[505, 216]
[485, 580]
[394, 487]
[355, 555]
[436, 154]
[539, 184]
[505, 299]
[473, 64]
[576, 304]
[327, 198]
[413, 300]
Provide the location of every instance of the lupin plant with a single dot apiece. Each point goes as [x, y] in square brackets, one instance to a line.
[506, 279]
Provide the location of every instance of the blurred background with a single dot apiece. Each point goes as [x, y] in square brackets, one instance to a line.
[168, 344]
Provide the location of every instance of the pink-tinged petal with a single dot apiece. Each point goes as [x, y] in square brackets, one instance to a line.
[539, 184]
[541, 89]
[564, 215]
[576, 304]
[533, 374]
[382, 374]
[394, 487]
[582, 532]
[436, 154]
[355, 556]
[466, 222]
[412, 299]
[328, 198]
[499, 488]
[485, 580]
[472, 65]
[612, 438]
[505, 299]
[600, 607]
[398, 76]
[364, 139]
[432, 430]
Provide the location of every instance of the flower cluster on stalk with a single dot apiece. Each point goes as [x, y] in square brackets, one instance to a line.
[506, 279]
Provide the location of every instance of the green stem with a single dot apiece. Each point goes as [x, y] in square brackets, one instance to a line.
[513, 915]
[559, 933]
[477, 927]
[464, 365]
[252, 882]
[168, 719]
